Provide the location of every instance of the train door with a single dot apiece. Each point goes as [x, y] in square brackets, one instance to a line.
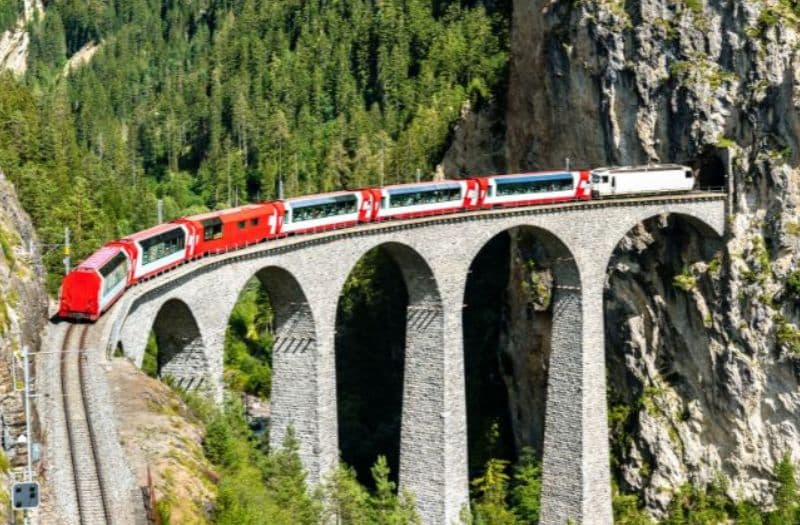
[472, 196]
[276, 218]
[367, 203]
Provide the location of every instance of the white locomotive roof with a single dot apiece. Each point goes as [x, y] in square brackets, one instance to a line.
[640, 169]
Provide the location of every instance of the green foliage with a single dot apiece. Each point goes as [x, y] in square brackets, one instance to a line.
[685, 280]
[695, 6]
[150, 359]
[787, 334]
[693, 505]
[725, 142]
[5, 464]
[10, 11]
[7, 248]
[386, 506]
[715, 265]
[248, 342]
[164, 510]
[499, 499]
[491, 492]
[787, 499]
[534, 286]
[793, 284]
[628, 509]
[526, 488]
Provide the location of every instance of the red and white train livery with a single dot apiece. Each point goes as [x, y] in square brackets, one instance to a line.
[92, 287]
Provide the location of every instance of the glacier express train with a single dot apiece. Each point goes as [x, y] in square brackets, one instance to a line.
[93, 286]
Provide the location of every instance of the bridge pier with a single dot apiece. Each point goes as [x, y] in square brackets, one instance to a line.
[575, 472]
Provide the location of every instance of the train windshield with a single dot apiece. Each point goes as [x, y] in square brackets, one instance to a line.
[163, 245]
[114, 272]
[426, 195]
[534, 184]
[322, 208]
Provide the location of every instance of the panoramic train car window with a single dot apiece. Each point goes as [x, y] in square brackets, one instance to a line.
[427, 195]
[162, 245]
[113, 272]
[534, 184]
[321, 208]
[212, 229]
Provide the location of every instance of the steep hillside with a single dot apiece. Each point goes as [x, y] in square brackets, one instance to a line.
[702, 336]
[23, 311]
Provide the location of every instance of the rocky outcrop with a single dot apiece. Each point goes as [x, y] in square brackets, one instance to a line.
[14, 42]
[702, 334]
[23, 311]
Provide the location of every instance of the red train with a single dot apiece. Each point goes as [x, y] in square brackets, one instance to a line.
[92, 287]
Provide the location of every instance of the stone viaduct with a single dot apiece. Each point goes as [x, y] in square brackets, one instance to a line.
[189, 308]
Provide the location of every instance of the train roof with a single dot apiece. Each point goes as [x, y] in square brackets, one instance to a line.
[642, 168]
[542, 175]
[99, 258]
[326, 195]
[415, 186]
[152, 232]
[231, 214]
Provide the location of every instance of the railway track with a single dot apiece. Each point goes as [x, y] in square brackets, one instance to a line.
[91, 498]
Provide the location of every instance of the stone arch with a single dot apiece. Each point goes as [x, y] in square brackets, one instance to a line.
[422, 344]
[294, 354]
[659, 344]
[181, 352]
[557, 384]
[522, 327]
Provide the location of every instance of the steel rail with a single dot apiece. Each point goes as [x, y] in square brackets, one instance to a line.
[86, 470]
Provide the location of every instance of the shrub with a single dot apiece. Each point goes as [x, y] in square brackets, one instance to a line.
[685, 281]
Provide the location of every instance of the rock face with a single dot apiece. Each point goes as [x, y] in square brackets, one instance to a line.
[23, 311]
[14, 42]
[702, 334]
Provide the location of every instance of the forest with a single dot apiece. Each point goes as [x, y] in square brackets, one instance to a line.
[205, 104]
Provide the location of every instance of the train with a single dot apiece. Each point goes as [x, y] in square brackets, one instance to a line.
[101, 279]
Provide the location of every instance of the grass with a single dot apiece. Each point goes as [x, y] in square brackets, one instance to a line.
[6, 247]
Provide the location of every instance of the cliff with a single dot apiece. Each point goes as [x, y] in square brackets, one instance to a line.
[702, 338]
[23, 311]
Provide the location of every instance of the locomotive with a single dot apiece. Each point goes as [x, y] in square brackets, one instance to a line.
[97, 282]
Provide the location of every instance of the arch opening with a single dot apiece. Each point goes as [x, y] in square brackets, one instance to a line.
[269, 358]
[370, 343]
[175, 348]
[709, 169]
[663, 307]
[249, 338]
[515, 304]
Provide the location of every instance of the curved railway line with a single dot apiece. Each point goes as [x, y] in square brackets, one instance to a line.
[91, 497]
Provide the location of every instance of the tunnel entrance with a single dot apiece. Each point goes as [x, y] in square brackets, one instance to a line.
[710, 171]
[370, 357]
